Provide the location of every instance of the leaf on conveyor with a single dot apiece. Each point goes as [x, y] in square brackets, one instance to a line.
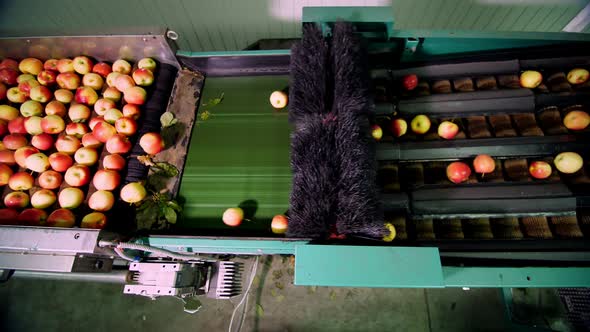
[170, 215]
[167, 119]
[174, 205]
[259, 310]
[165, 169]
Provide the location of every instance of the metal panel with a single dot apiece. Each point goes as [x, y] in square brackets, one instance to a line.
[225, 25]
[244, 246]
[516, 277]
[48, 239]
[349, 266]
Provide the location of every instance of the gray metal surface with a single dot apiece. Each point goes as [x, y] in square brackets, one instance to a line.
[103, 48]
[48, 239]
[113, 277]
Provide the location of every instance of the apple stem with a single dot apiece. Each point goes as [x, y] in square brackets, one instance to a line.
[248, 220]
[482, 175]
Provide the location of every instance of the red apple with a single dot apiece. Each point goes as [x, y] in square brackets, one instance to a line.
[530, 79]
[21, 181]
[86, 95]
[89, 141]
[69, 81]
[112, 78]
[50, 180]
[103, 105]
[112, 93]
[37, 162]
[77, 129]
[61, 218]
[102, 68]
[16, 200]
[101, 200]
[458, 172]
[135, 95]
[31, 108]
[55, 107]
[77, 176]
[26, 86]
[576, 120]
[143, 77]
[410, 82]
[399, 127]
[8, 76]
[8, 217]
[15, 95]
[41, 94]
[106, 179]
[124, 82]
[79, 112]
[126, 126]
[147, 63]
[3, 128]
[65, 66]
[577, 76]
[103, 131]
[32, 217]
[540, 169]
[3, 90]
[9, 63]
[5, 174]
[7, 157]
[151, 143]
[21, 154]
[118, 144]
[43, 198]
[233, 217]
[42, 141]
[70, 198]
[131, 111]
[94, 121]
[47, 77]
[60, 161]
[17, 126]
[64, 96]
[14, 141]
[448, 130]
[93, 80]
[483, 163]
[376, 132]
[33, 125]
[8, 113]
[53, 124]
[86, 156]
[94, 220]
[133, 192]
[113, 161]
[67, 144]
[30, 66]
[82, 65]
[279, 224]
[50, 64]
[112, 115]
[122, 66]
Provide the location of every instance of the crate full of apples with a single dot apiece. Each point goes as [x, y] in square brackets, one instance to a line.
[67, 127]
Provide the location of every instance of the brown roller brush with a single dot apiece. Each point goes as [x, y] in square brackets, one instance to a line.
[566, 226]
[542, 88]
[399, 222]
[464, 84]
[558, 83]
[477, 127]
[502, 126]
[413, 174]
[486, 83]
[423, 89]
[449, 229]
[516, 169]
[506, 228]
[509, 81]
[495, 176]
[477, 228]
[442, 86]
[425, 229]
[551, 122]
[435, 172]
[536, 227]
[526, 124]
[584, 220]
[388, 178]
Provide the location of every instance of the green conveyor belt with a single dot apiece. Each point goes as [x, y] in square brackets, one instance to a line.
[238, 156]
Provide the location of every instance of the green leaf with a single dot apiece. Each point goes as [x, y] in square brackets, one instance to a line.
[216, 101]
[332, 295]
[148, 215]
[174, 205]
[165, 169]
[259, 310]
[280, 298]
[279, 285]
[170, 215]
[167, 119]
[273, 292]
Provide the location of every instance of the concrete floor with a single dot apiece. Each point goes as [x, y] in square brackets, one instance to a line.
[275, 305]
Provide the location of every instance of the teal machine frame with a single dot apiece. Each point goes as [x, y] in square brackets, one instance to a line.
[374, 266]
